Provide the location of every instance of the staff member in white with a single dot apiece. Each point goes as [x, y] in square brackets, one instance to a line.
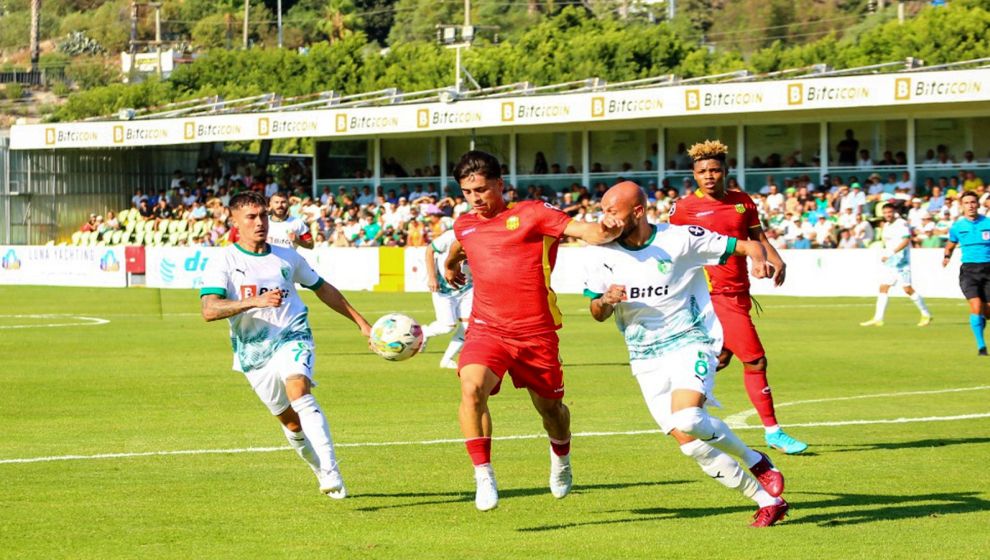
[252, 284]
[283, 229]
[452, 305]
[652, 279]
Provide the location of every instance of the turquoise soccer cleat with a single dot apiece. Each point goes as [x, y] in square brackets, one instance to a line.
[783, 442]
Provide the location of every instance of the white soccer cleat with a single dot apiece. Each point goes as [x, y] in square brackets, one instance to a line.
[561, 478]
[448, 364]
[925, 321]
[872, 323]
[332, 484]
[486, 497]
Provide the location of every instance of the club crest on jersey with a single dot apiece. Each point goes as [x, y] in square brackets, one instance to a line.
[512, 223]
[696, 231]
[740, 209]
[986, 235]
[285, 272]
[663, 266]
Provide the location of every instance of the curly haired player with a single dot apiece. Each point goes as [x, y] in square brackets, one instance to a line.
[733, 213]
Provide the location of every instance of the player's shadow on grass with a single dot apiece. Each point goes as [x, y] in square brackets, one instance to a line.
[869, 508]
[919, 444]
[455, 497]
[841, 510]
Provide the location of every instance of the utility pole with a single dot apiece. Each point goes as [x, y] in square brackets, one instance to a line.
[35, 29]
[134, 17]
[671, 9]
[280, 24]
[247, 16]
[158, 33]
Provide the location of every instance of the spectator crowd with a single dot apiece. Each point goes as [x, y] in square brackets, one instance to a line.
[843, 212]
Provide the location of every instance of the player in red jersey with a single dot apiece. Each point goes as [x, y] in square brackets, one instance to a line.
[514, 316]
[734, 213]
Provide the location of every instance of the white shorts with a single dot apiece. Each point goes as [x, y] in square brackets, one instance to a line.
[451, 308]
[268, 381]
[691, 367]
[890, 276]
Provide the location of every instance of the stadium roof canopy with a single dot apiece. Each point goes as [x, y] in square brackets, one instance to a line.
[447, 110]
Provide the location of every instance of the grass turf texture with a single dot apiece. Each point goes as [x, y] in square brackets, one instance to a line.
[157, 378]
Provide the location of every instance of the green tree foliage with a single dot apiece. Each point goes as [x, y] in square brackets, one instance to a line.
[339, 20]
[416, 20]
[570, 45]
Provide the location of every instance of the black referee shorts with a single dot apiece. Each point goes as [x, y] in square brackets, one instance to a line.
[974, 279]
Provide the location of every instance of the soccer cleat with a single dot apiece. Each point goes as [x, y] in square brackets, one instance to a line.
[925, 321]
[332, 484]
[981, 352]
[783, 442]
[448, 364]
[872, 323]
[768, 476]
[486, 496]
[561, 478]
[770, 515]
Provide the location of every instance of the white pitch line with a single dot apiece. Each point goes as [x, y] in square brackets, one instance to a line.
[92, 321]
[461, 440]
[739, 419]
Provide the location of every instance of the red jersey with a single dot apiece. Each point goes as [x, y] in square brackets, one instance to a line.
[733, 216]
[511, 257]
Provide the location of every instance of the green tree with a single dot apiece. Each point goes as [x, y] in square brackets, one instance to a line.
[340, 19]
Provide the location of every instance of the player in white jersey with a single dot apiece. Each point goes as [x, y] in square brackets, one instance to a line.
[652, 280]
[896, 267]
[283, 229]
[252, 284]
[452, 305]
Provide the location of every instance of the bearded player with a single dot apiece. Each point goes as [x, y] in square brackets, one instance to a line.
[514, 316]
[734, 214]
[652, 281]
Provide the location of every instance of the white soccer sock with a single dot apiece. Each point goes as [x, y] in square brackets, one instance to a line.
[727, 471]
[299, 442]
[696, 422]
[920, 302]
[455, 343]
[881, 307]
[436, 328]
[314, 425]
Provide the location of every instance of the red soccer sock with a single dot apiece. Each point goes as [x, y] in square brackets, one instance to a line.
[480, 450]
[560, 447]
[759, 394]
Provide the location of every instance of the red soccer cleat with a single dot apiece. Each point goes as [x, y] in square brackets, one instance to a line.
[769, 477]
[770, 515]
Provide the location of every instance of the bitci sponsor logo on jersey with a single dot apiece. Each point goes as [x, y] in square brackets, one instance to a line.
[249, 291]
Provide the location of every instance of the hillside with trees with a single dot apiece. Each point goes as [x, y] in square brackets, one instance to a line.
[352, 46]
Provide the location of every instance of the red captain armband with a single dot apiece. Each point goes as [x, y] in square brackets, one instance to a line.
[306, 236]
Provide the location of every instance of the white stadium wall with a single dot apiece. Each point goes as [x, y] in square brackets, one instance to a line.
[810, 273]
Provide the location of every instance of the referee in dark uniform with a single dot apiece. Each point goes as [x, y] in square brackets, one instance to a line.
[972, 234]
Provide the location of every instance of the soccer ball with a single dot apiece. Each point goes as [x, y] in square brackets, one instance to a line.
[396, 337]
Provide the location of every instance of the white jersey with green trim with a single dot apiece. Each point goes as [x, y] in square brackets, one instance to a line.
[893, 235]
[278, 231]
[441, 248]
[668, 305]
[255, 334]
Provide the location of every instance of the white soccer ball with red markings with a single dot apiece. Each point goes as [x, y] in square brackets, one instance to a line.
[396, 337]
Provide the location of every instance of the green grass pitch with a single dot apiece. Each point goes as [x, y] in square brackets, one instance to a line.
[156, 378]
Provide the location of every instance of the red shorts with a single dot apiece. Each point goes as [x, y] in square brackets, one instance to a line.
[741, 339]
[533, 362]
